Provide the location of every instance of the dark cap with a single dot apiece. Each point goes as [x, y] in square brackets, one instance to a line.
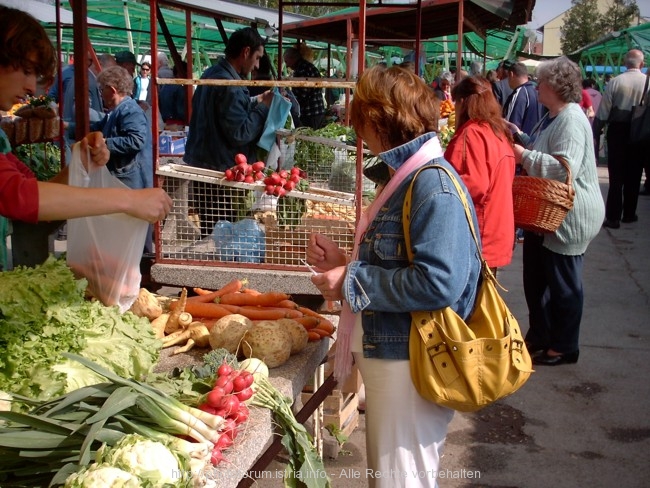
[125, 57]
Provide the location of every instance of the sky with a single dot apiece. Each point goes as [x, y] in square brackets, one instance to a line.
[546, 10]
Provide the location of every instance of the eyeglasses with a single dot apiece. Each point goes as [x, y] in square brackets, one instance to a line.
[145, 69]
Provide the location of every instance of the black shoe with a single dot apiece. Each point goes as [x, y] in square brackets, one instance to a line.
[535, 350]
[629, 220]
[546, 360]
[612, 224]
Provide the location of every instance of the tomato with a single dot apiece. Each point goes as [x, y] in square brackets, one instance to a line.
[259, 166]
[214, 397]
[224, 370]
[241, 159]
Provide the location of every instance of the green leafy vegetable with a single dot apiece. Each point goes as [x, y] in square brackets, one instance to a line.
[43, 314]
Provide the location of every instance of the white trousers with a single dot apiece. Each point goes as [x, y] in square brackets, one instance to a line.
[404, 432]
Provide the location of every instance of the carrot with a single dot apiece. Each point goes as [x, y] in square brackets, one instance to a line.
[268, 299]
[308, 322]
[288, 313]
[310, 312]
[320, 332]
[207, 310]
[251, 291]
[201, 291]
[258, 313]
[326, 326]
[232, 286]
[313, 336]
[287, 304]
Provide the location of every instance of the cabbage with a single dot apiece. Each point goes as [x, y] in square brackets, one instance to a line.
[102, 476]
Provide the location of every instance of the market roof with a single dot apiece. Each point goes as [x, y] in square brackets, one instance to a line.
[44, 12]
[392, 24]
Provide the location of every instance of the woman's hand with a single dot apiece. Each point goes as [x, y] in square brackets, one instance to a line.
[330, 283]
[323, 253]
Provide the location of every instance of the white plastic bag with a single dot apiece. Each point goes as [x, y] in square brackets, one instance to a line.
[106, 249]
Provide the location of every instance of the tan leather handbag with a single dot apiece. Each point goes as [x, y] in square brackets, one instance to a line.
[466, 365]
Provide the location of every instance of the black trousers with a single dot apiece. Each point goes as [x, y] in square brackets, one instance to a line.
[554, 295]
[625, 166]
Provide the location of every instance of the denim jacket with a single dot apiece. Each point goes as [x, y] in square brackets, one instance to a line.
[128, 138]
[225, 121]
[384, 287]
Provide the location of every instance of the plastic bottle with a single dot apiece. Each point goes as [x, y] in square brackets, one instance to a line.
[248, 241]
[222, 235]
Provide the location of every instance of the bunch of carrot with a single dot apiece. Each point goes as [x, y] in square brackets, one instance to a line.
[236, 298]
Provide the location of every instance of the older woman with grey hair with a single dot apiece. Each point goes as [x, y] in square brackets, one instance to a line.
[127, 133]
[553, 262]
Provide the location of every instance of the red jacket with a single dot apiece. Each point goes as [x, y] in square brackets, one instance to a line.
[18, 189]
[486, 163]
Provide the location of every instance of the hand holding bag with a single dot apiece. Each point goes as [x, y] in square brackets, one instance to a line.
[640, 124]
[466, 365]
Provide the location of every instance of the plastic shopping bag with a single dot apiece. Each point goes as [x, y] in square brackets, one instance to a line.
[105, 249]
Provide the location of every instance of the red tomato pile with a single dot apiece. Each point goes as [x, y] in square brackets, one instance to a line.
[231, 389]
[279, 183]
[244, 172]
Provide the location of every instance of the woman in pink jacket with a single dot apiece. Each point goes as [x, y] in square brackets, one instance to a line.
[481, 152]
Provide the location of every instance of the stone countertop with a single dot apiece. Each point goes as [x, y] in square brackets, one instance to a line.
[257, 434]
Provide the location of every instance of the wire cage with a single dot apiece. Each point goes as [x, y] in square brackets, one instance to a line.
[226, 223]
[329, 163]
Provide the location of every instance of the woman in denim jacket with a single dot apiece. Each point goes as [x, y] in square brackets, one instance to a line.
[397, 116]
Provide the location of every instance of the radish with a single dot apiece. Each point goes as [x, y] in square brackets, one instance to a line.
[226, 383]
[230, 403]
[225, 369]
[241, 159]
[244, 394]
[214, 397]
[216, 457]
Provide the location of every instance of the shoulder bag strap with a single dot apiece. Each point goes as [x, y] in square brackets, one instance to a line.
[406, 211]
[645, 88]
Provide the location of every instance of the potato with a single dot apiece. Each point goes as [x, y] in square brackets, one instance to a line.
[299, 335]
[268, 341]
[228, 331]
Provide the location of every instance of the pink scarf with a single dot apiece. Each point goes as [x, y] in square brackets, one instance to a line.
[429, 150]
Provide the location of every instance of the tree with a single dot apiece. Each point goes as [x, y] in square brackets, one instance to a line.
[620, 15]
[581, 25]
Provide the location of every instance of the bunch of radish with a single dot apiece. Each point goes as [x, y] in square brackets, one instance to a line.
[227, 399]
[279, 183]
[243, 172]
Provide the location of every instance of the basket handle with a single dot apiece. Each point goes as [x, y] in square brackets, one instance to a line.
[566, 166]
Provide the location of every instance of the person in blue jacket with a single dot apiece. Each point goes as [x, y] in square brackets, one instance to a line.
[127, 132]
[226, 121]
[522, 107]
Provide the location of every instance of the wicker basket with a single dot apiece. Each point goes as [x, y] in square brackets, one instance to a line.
[541, 204]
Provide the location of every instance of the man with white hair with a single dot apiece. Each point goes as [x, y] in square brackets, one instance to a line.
[625, 161]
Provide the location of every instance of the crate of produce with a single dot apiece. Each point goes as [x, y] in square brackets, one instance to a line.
[215, 220]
